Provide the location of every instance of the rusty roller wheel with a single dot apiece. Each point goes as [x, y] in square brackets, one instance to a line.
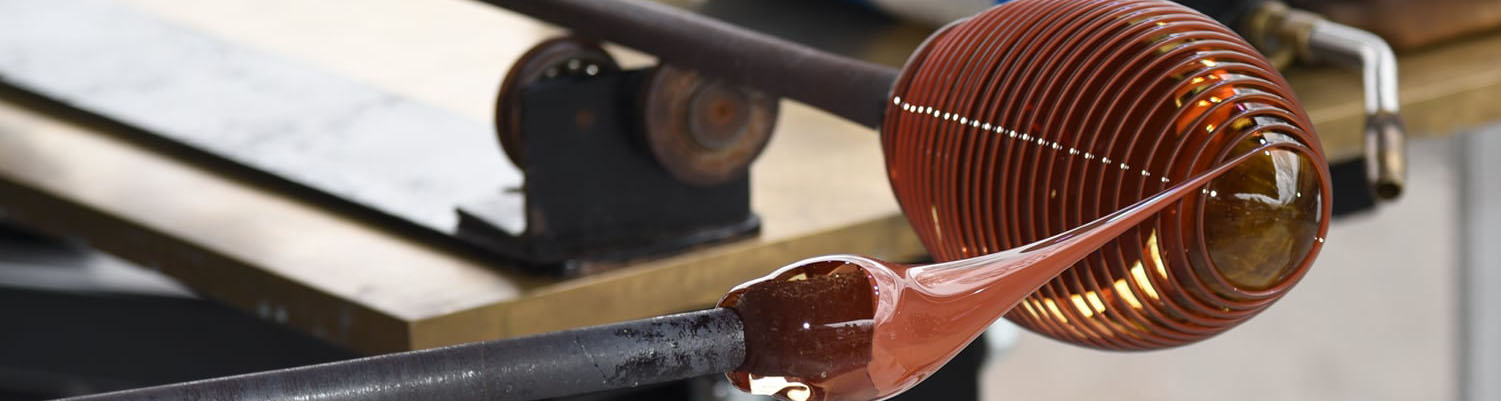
[552, 59]
[704, 131]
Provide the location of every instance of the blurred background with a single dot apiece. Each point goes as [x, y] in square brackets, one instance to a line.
[155, 225]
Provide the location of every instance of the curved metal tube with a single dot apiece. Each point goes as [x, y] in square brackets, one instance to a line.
[1385, 139]
[1364, 50]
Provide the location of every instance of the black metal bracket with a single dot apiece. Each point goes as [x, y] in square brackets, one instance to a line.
[593, 192]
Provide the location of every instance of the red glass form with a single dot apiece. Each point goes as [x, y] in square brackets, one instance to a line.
[1032, 119]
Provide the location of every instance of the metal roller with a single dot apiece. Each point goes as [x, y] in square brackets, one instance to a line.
[557, 58]
[704, 130]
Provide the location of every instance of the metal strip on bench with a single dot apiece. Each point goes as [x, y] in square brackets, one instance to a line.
[313, 128]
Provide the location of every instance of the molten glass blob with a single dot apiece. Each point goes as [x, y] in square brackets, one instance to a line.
[847, 328]
[1262, 218]
[808, 333]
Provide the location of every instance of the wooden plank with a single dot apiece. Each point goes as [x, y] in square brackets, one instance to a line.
[821, 190]
[284, 259]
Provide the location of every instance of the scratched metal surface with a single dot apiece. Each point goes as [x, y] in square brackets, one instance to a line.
[316, 129]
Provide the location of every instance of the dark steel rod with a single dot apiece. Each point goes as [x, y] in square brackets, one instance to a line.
[849, 88]
[556, 364]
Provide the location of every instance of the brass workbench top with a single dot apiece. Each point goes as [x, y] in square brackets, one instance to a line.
[820, 187]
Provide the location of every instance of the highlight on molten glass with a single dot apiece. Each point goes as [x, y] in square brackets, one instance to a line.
[1034, 118]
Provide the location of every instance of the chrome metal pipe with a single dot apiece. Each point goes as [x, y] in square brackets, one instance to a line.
[1385, 138]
